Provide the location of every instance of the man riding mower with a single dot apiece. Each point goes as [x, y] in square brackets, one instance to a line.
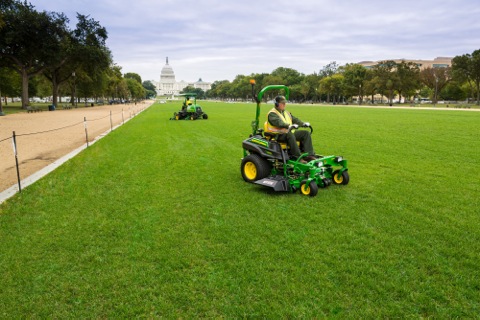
[190, 109]
[282, 125]
[269, 161]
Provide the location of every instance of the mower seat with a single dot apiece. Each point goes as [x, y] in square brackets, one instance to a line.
[271, 137]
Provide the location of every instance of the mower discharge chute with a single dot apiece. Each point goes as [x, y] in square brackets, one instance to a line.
[267, 162]
[190, 109]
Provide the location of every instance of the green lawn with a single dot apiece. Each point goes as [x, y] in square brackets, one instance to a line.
[154, 220]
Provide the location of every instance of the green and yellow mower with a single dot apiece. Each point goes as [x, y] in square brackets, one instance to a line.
[190, 109]
[268, 163]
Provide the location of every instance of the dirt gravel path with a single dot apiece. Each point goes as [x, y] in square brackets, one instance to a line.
[44, 137]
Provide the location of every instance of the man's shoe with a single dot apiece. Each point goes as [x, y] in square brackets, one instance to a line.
[310, 158]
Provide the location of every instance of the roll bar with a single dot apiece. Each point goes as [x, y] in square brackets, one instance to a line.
[258, 99]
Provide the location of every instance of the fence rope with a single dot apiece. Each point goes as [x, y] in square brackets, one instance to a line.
[76, 124]
[31, 133]
[84, 122]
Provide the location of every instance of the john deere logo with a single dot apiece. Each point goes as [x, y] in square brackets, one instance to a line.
[260, 142]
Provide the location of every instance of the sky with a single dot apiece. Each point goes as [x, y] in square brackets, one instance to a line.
[219, 39]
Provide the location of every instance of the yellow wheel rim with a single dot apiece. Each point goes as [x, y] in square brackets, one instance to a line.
[305, 189]
[338, 178]
[250, 170]
[176, 117]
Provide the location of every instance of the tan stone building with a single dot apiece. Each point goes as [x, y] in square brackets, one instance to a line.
[439, 62]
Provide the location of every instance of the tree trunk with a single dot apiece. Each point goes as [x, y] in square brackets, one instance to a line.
[54, 89]
[24, 75]
[1, 107]
[478, 93]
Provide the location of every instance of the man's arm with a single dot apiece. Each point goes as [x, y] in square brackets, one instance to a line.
[296, 120]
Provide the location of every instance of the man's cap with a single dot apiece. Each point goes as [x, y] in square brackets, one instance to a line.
[280, 99]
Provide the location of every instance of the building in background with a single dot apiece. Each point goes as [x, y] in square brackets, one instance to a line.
[439, 62]
[168, 86]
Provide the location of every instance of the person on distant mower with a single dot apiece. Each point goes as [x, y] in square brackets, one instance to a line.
[282, 123]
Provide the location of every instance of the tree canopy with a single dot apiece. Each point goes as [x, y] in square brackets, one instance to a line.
[75, 62]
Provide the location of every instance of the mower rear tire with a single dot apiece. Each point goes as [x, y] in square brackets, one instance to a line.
[343, 178]
[205, 116]
[254, 168]
[309, 190]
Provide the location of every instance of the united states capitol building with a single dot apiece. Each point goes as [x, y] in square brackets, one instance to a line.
[168, 86]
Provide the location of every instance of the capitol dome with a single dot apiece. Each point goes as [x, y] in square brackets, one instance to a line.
[167, 74]
[168, 85]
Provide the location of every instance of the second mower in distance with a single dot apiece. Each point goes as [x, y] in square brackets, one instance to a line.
[190, 109]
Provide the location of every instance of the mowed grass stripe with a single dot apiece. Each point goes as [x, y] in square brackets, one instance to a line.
[155, 220]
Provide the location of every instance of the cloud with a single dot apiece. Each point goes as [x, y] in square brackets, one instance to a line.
[217, 40]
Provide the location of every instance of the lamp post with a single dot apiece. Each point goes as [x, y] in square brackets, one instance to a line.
[359, 93]
[74, 89]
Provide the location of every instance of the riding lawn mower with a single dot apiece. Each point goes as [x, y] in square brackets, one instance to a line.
[268, 162]
[190, 109]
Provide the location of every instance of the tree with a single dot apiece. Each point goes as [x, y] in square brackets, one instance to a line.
[29, 41]
[408, 79]
[386, 79]
[369, 85]
[312, 80]
[190, 89]
[453, 91]
[354, 78]
[329, 70]
[304, 89]
[151, 90]
[332, 86]
[5, 5]
[135, 88]
[467, 67]
[10, 85]
[134, 76]
[82, 56]
[115, 79]
[148, 85]
[435, 79]
[271, 79]
[289, 76]
[134, 83]
[219, 89]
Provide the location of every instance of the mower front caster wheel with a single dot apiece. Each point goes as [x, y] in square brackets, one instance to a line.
[310, 189]
[343, 178]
